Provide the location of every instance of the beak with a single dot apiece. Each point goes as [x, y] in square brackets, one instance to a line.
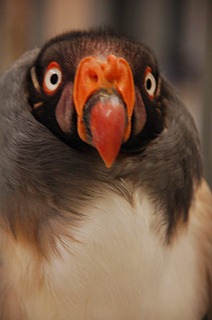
[104, 97]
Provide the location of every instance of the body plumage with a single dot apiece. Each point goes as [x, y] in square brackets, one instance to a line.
[82, 239]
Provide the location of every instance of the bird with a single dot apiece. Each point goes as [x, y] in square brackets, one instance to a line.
[105, 213]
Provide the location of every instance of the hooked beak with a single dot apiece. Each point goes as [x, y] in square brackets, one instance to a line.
[104, 98]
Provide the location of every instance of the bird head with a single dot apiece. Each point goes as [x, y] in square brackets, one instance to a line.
[97, 89]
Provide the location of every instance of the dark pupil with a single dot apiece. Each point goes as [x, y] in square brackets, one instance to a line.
[54, 78]
[148, 84]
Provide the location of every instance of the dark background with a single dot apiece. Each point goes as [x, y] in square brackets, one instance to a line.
[179, 32]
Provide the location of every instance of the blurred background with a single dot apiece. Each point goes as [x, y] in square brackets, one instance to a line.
[179, 32]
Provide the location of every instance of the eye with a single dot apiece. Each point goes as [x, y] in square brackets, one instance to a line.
[52, 78]
[150, 83]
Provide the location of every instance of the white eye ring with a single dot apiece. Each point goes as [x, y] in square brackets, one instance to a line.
[150, 83]
[52, 78]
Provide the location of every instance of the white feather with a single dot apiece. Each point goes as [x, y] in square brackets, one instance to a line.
[118, 269]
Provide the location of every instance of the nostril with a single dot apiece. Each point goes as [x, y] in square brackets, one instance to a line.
[93, 75]
[95, 78]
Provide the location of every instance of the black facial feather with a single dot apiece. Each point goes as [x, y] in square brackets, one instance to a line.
[164, 157]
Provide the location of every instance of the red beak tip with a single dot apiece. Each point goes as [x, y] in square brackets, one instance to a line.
[108, 158]
[108, 125]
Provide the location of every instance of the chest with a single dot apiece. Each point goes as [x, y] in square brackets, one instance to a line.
[114, 265]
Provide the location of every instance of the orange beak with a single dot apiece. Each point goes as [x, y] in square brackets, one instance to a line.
[104, 90]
